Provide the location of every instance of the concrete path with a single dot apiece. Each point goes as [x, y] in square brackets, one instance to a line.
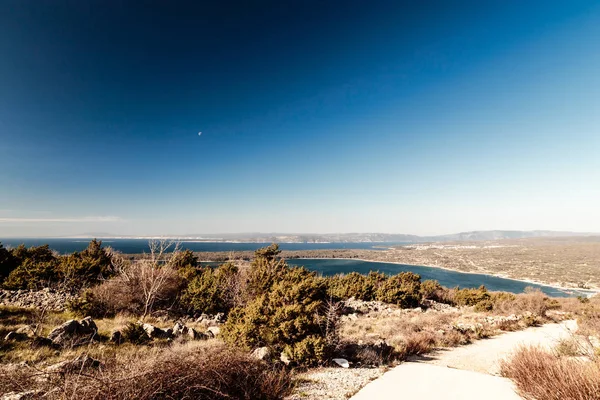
[463, 373]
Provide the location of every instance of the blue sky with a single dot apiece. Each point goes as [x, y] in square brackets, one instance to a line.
[406, 117]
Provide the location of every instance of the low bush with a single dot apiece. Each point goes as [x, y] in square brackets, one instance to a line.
[470, 297]
[416, 344]
[402, 289]
[134, 333]
[350, 285]
[533, 301]
[8, 262]
[183, 372]
[38, 267]
[139, 289]
[285, 310]
[213, 290]
[543, 376]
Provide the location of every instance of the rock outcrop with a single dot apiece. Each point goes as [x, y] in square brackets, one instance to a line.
[74, 332]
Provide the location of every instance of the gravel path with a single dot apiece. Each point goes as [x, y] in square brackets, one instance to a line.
[464, 372]
[333, 383]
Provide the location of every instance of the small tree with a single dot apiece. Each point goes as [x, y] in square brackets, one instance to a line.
[137, 288]
[156, 273]
[88, 267]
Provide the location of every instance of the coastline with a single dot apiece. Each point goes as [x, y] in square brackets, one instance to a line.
[591, 292]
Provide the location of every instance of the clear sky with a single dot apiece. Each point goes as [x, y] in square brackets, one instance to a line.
[422, 117]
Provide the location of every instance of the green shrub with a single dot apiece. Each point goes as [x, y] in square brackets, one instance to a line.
[284, 311]
[308, 351]
[470, 297]
[203, 293]
[86, 304]
[135, 334]
[343, 287]
[39, 267]
[359, 286]
[86, 268]
[33, 276]
[402, 289]
[484, 305]
[212, 290]
[8, 262]
[265, 270]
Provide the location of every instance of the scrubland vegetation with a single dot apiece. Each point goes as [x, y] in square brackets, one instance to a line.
[272, 319]
[571, 371]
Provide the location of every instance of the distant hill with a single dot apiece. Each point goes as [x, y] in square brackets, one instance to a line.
[355, 237]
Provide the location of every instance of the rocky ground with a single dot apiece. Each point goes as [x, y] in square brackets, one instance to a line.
[50, 299]
[333, 383]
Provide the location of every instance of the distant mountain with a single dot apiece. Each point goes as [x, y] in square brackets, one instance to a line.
[352, 237]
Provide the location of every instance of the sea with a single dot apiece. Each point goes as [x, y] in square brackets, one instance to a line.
[137, 246]
[324, 266]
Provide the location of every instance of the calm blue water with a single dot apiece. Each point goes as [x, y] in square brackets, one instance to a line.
[444, 277]
[134, 246]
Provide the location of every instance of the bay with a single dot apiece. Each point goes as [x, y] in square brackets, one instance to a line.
[445, 277]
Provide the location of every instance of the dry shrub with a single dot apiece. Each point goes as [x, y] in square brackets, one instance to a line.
[543, 376]
[533, 301]
[198, 372]
[589, 321]
[138, 289]
[508, 325]
[453, 338]
[570, 347]
[416, 344]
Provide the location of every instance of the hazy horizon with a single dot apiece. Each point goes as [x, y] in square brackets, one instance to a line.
[400, 116]
[253, 235]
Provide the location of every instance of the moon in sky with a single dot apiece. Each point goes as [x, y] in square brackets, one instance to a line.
[199, 133]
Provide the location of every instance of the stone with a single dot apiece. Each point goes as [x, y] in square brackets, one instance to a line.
[74, 365]
[214, 330]
[154, 332]
[195, 335]
[26, 330]
[342, 362]
[262, 353]
[87, 326]
[73, 330]
[180, 329]
[284, 358]
[30, 394]
[68, 328]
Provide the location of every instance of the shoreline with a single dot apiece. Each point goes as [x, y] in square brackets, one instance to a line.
[591, 292]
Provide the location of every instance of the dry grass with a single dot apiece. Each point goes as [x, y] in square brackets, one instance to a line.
[415, 333]
[540, 375]
[199, 370]
[533, 301]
